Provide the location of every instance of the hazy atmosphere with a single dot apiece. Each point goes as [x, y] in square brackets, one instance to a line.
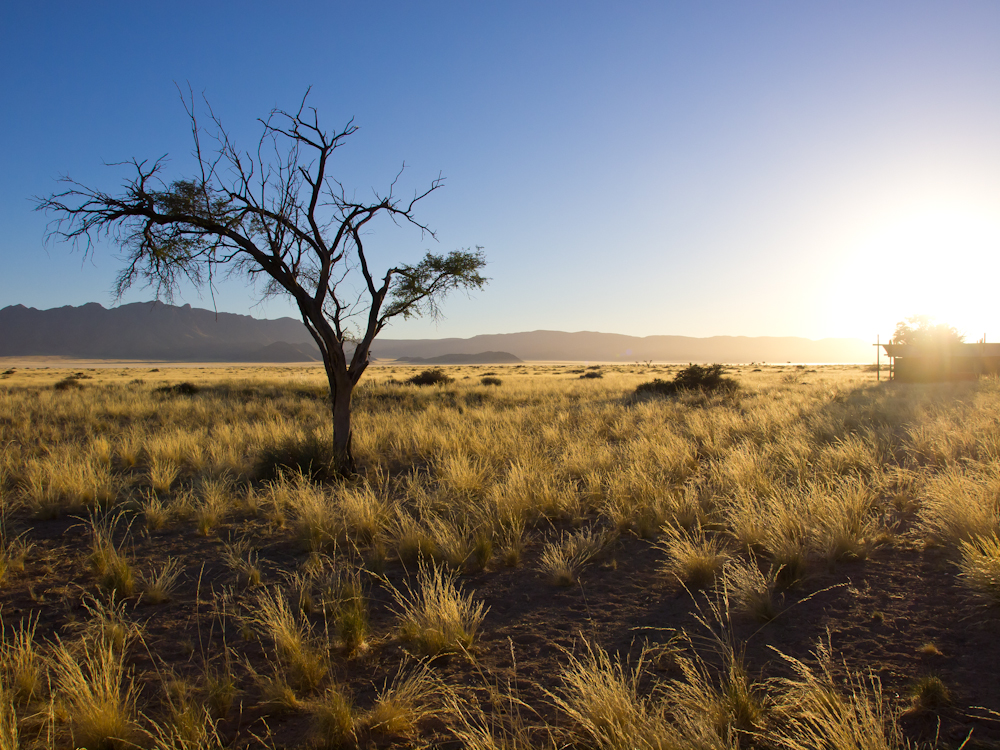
[767, 169]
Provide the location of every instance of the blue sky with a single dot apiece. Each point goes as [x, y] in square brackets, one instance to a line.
[769, 168]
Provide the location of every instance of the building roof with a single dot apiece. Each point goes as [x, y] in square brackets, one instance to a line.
[947, 350]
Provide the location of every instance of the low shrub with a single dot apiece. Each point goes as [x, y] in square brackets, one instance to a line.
[930, 694]
[707, 378]
[308, 455]
[430, 377]
[592, 374]
[70, 381]
[491, 381]
[182, 389]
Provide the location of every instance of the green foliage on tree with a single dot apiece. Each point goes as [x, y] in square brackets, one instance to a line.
[920, 330]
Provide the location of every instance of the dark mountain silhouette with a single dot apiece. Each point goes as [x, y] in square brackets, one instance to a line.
[156, 331]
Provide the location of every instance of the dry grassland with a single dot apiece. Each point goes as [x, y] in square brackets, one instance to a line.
[542, 560]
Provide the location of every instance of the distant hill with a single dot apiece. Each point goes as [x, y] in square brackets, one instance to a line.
[156, 331]
[612, 347]
[153, 331]
[282, 351]
[482, 358]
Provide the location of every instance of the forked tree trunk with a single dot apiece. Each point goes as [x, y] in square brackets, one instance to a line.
[342, 379]
[343, 457]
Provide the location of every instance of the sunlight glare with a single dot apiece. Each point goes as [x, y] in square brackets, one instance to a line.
[941, 262]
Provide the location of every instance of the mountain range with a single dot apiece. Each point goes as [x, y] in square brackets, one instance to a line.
[161, 332]
[151, 331]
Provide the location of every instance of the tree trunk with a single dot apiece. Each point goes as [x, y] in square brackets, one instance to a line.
[343, 458]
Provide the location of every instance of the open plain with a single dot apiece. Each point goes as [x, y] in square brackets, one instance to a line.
[530, 556]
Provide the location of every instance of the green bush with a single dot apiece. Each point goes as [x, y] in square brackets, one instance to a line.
[491, 381]
[430, 377]
[707, 378]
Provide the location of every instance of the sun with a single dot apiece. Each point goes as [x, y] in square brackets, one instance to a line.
[942, 261]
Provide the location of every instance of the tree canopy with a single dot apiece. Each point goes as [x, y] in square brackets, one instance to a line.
[921, 330]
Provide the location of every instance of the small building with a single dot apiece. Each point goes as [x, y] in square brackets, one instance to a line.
[929, 363]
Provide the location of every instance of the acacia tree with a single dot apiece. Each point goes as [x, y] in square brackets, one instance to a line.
[921, 330]
[274, 215]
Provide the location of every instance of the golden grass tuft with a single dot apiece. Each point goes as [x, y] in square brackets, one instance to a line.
[190, 729]
[154, 512]
[23, 668]
[333, 719]
[414, 542]
[163, 472]
[317, 518]
[112, 569]
[750, 591]
[403, 703]
[13, 553]
[9, 732]
[511, 541]
[605, 706]
[366, 514]
[960, 505]
[438, 617]
[302, 652]
[980, 566]
[241, 558]
[720, 708]
[220, 688]
[158, 587]
[562, 560]
[95, 694]
[494, 717]
[696, 559]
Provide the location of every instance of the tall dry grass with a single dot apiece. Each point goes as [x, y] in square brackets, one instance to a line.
[745, 494]
[846, 711]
